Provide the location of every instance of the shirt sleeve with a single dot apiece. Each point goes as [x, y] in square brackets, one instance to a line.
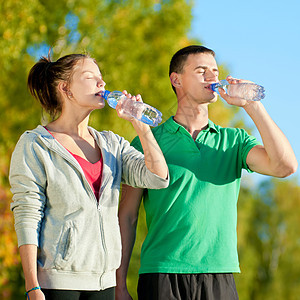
[248, 143]
[135, 172]
[136, 143]
[27, 179]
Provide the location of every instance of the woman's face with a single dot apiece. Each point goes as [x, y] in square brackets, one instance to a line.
[85, 85]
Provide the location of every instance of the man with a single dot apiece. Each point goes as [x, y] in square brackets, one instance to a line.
[190, 251]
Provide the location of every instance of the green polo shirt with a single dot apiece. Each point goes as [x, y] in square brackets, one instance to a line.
[192, 223]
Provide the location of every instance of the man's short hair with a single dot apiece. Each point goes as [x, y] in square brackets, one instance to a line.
[179, 58]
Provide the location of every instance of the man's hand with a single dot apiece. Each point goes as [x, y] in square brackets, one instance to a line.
[234, 100]
[122, 294]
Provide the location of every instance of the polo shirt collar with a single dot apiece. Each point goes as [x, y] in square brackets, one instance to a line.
[173, 126]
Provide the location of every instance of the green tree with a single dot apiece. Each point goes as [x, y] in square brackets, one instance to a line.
[269, 241]
[133, 42]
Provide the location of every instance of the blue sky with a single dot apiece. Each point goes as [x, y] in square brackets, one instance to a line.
[258, 41]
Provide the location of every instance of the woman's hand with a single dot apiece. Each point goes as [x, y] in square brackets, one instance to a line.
[122, 104]
[36, 295]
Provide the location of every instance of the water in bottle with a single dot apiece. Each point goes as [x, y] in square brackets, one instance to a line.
[139, 110]
[245, 90]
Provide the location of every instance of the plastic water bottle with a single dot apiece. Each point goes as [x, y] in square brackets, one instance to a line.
[139, 110]
[245, 90]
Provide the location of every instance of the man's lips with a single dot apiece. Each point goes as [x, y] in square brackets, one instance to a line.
[208, 87]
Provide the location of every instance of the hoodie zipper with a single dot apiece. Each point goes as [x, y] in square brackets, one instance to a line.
[74, 164]
[100, 211]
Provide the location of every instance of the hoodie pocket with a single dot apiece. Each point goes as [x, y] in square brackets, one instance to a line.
[66, 247]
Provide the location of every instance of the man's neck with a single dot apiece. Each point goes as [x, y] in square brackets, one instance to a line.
[193, 121]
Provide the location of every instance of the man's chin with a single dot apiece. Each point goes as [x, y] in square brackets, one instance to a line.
[214, 99]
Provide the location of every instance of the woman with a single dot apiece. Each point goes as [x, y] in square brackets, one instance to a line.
[65, 179]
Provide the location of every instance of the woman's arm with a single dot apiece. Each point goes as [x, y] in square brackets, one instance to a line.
[28, 255]
[154, 158]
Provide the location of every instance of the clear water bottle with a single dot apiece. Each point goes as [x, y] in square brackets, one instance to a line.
[245, 90]
[139, 110]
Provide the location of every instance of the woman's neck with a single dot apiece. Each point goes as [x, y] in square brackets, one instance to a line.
[76, 127]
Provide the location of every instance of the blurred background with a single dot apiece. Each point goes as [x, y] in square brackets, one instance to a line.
[133, 42]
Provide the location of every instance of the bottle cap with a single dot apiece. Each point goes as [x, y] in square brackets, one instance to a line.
[104, 94]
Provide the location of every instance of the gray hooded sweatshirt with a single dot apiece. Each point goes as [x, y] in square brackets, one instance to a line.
[55, 208]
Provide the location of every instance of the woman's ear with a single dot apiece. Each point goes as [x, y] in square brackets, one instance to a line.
[64, 90]
[175, 79]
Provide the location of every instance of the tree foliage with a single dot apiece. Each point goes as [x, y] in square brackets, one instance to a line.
[133, 42]
[269, 241]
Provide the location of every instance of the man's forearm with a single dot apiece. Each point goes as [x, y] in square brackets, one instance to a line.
[128, 234]
[128, 216]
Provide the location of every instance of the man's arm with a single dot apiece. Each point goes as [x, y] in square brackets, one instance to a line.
[128, 216]
[276, 157]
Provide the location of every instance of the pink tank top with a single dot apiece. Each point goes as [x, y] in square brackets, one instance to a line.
[92, 172]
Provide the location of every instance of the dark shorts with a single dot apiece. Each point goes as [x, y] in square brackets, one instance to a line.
[108, 294]
[212, 286]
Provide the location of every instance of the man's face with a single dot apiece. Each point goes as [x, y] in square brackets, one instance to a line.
[199, 71]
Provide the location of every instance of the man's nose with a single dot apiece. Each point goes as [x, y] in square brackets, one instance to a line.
[211, 76]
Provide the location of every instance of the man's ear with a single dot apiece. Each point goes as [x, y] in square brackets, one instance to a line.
[175, 79]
